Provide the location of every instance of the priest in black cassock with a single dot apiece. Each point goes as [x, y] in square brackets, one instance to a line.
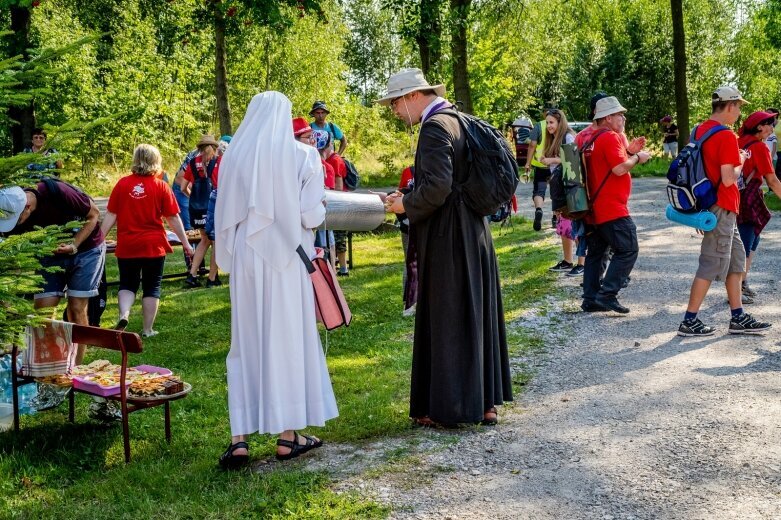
[460, 366]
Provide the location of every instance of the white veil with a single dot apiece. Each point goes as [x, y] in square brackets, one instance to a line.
[259, 184]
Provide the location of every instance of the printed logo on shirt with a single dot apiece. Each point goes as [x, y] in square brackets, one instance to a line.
[138, 191]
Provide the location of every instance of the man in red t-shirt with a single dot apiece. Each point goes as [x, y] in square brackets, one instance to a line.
[610, 225]
[722, 256]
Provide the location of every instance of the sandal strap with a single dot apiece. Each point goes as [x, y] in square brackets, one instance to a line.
[239, 445]
[287, 444]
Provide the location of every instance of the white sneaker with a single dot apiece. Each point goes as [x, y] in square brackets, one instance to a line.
[411, 311]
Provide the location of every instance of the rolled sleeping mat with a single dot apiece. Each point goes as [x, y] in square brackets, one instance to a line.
[345, 211]
[704, 220]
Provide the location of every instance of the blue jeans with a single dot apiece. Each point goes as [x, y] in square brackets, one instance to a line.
[749, 238]
[579, 233]
[81, 273]
[184, 206]
[210, 215]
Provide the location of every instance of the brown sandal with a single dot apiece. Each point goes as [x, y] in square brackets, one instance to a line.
[490, 417]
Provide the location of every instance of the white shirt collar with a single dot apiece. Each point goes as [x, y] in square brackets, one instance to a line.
[430, 106]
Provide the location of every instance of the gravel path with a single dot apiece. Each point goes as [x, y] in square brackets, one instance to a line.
[624, 419]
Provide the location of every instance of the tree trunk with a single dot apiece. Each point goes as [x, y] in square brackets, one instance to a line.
[679, 55]
[459, 12]
[23, 117]
[429, 38]
[221, 74]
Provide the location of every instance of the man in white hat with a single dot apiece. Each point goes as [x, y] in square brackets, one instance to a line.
[609, 184]
[460, 367]
[722, 255]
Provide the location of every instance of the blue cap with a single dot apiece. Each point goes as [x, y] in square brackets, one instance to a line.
[226, 138]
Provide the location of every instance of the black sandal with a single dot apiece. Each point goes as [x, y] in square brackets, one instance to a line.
[230, 461]
[297, 449]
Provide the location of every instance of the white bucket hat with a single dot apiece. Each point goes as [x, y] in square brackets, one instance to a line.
[12, 203]
[406, 81]
[607, 107]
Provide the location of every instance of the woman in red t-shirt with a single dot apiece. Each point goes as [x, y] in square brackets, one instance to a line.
[137, 206]
[754, 215]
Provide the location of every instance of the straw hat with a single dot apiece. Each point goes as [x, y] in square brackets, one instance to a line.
[207, 140]
[607, 107]
[406, 81]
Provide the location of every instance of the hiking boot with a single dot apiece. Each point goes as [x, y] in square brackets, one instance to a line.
[561, 267]
[592, 306]
[748, 291]
[577, 270]
[214, 283]
[694, 327]
[191, 282]
[612, 304]
[745, 299]
[745, 324]
[537, 219]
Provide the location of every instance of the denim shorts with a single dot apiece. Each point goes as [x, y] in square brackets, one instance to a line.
[184, 206]
[209, 227]
[320, 238]
[80, 273]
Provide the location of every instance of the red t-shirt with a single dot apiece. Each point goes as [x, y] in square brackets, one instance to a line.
[140, 202]
[758, 160]
[188, 171]
[330, 176]
[721, 148]
[609, 150]
[406, 178]
[340, 169]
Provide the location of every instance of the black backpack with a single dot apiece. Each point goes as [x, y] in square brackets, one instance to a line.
[493, 172]
[352, 179]
[201, 186]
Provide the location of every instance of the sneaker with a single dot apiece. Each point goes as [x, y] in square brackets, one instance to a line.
[612, 304]
[748, 291]
[121, 324]
[577, 270]
[149, 334]
[745, 324]
[745, 299]
[214, 283]
[561, 267]
[342, 273]
[554, 220]
[592, 306]
[537, 219]
[191, 281]
[694, 327]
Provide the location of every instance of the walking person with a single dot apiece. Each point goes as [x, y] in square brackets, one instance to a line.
[460, 365]
[271, 198]
[722, 255]
[757, 170]
[670, 139]
[540, 170]
[137, 205]
[608, 168]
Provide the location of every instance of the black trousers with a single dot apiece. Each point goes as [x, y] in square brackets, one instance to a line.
[621, 236]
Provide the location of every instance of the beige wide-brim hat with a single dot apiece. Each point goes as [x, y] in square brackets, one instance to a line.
[208, 140]
[406, 81]
[607, 107]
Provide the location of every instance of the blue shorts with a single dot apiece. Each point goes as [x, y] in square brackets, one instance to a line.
[320, 239]
[184, 206]
[209, 226]
[80, 273]
[748, 237]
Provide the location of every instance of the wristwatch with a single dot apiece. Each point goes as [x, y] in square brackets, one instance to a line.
[75, 248]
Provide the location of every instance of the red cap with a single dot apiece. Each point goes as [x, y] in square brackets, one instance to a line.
[300, 126]
[754, 119]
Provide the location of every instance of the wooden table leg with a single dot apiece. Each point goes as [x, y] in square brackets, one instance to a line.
[167, 422]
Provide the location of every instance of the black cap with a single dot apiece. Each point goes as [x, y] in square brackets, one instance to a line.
[593, 105]
[319, 105]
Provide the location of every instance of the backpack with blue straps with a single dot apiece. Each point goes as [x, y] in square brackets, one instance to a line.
[690, 190]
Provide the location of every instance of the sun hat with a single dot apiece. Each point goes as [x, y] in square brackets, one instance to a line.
[727, 93]
[207, 140]
[12, 203]
[300, 126]
[607, 107]
[319, 105]
[406, 81]
[754, 120]
[666, 119]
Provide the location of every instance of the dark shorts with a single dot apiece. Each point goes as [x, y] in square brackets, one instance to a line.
[340, 239]
[146, 272]
[749, 237]
[541, 177]
[198, 219]
[209, 227]
[80, 274]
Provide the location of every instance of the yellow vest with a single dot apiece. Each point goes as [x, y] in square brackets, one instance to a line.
[540, 146]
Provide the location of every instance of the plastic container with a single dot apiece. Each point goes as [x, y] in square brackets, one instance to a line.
[80, 383]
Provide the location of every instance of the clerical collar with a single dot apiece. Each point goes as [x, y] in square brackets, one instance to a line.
[433, 107]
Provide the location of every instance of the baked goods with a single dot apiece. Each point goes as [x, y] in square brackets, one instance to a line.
[154, 386]
[59, 380]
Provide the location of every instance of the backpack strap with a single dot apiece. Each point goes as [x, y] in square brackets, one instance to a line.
[607, 176]
[751, 176]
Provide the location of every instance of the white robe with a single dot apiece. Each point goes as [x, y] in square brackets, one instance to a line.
[277, 375]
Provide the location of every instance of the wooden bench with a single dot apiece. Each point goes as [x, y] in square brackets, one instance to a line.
[123, 342]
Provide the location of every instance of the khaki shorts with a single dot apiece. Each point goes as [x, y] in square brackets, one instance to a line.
[722, 251]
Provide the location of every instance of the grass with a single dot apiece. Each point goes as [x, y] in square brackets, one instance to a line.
[772, 201]
[656, 167]
[54, 469]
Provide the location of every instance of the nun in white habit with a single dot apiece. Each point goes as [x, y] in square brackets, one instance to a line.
[271, 197]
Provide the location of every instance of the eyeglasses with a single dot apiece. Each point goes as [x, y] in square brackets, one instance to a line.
[394, 101]
[39, 137]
